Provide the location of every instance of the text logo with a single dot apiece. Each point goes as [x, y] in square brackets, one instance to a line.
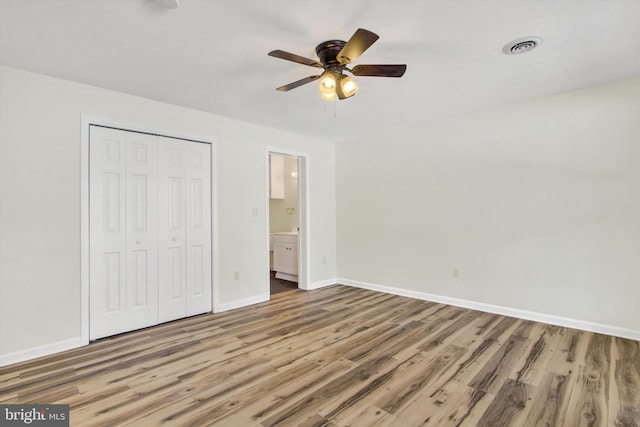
[34, 415]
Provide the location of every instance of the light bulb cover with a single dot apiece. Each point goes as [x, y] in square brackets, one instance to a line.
[346, 87]
[328, 82]
[328, 96]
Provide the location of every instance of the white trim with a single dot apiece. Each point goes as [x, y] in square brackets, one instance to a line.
[43, 350]
[133, 127]
[497, 309]
[87, 120]
[267, 170]
[303, 215]
[322, 284]
[240, 303]
[215, 248]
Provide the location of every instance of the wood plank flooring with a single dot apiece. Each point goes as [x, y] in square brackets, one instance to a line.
[341, 356]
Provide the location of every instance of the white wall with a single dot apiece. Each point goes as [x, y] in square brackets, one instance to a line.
[40, 201]
[535, 205]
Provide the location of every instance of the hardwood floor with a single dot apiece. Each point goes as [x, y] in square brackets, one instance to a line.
[341, 356]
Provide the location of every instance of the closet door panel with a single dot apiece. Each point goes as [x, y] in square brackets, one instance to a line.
[172, 229]
[107, 228]
[198, 172]
[142, 230]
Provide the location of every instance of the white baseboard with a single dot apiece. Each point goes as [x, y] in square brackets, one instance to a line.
[43, 350]
[320, 284]
[218, 308]
[497, 309]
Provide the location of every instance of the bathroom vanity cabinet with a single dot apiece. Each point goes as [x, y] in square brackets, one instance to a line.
[285, 256]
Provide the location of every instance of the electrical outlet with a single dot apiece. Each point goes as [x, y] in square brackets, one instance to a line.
[455, 273]
[324, 259]
[236, 275]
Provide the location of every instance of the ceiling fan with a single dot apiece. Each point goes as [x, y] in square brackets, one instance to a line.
[334, 56]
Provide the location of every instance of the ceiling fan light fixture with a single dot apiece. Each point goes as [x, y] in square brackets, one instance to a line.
[327, 82]
[328, 96]
[347, 87]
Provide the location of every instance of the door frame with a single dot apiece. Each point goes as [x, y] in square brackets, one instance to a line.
[86, 121]
[303, 216]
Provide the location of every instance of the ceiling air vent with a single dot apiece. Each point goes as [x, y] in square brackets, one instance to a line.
[521, 45]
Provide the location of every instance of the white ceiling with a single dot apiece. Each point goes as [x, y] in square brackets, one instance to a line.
[211, 55]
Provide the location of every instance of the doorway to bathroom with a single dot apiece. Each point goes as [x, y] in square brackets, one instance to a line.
[286, 221]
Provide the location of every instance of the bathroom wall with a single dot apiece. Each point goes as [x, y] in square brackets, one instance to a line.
[283, 213]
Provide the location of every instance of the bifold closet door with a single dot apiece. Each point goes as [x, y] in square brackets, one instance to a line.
[150, 230]
[185, 228]
[123, 261]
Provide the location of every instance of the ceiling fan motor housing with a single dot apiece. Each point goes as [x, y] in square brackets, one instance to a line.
[328, 53]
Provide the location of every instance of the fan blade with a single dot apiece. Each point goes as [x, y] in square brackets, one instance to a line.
[297, 83]
[295, 58]
[379, 70]
[360, 41]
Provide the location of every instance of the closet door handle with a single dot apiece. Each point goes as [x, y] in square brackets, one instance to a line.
[138, 242]
[174, 239]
